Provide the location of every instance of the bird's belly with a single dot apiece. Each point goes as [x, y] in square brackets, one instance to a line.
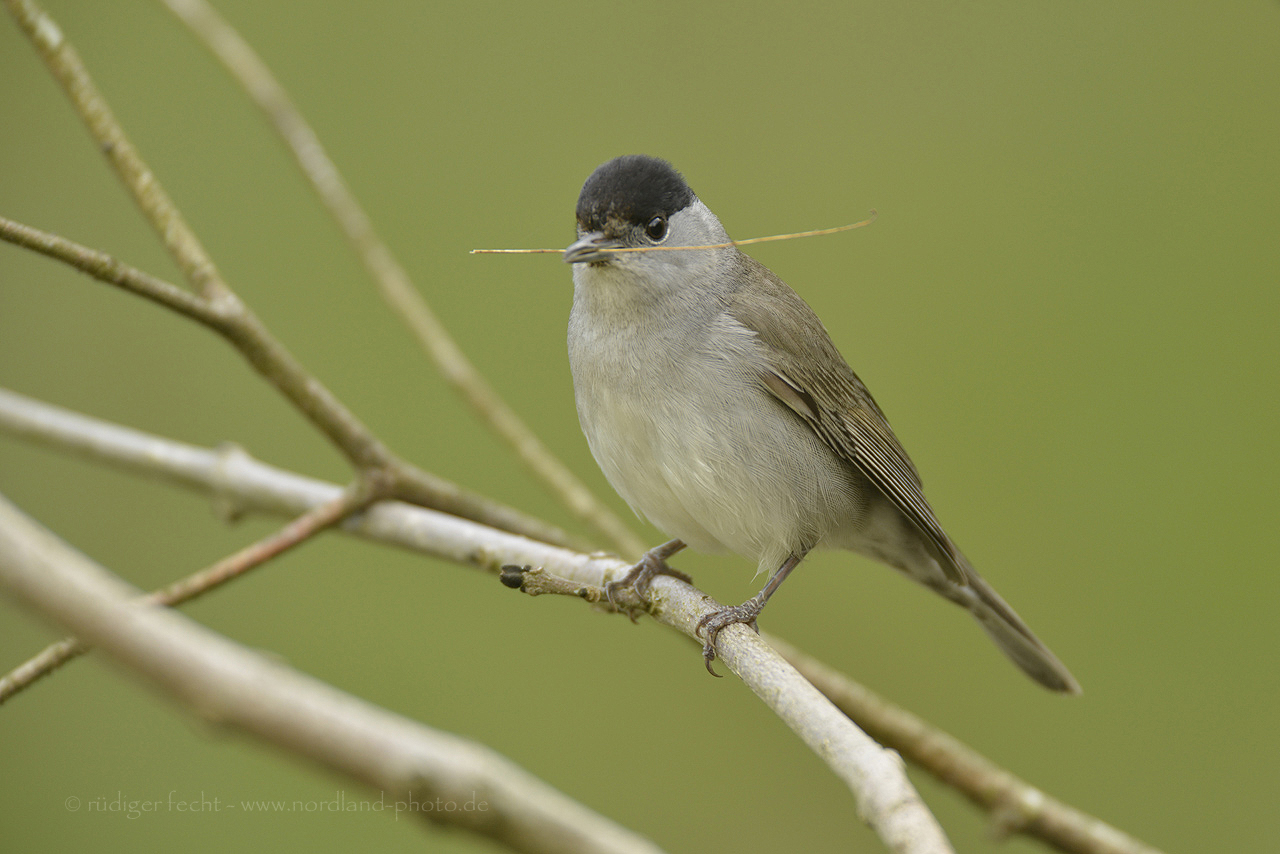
[718, 463]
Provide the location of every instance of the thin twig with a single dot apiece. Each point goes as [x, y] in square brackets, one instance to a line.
[1014, 804]
[102, 266]
[353, 499]
[252, 486]
[39, 666]
[310, 523]
[227, 314]
[65, 65]
[279, 367]
[233, 687]
[390, 277]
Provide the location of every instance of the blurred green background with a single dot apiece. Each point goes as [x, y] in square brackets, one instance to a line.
[1068, 308]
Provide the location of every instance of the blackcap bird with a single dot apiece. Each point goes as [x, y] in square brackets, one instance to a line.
[718, 408]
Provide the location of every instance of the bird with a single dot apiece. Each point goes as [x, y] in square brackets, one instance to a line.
[717, 405]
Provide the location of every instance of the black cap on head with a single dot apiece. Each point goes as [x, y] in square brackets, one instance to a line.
[632, 187]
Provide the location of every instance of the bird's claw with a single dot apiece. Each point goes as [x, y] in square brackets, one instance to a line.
[637, 580]
[712, 624]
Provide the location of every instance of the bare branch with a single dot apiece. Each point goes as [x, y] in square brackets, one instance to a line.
[392, 280]
[39, 666]
[884, 795]
[232, 477]
[65, 65]
[1014, 804]
[226, 313]
[102, 266]
[228, 685]
[315, 520]
[318, 518]
[278, 366]
[886, 799]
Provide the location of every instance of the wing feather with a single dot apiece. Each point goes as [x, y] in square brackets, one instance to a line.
[808, 374]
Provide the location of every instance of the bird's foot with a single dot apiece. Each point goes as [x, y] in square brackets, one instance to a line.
[640, 576]
[717, 621]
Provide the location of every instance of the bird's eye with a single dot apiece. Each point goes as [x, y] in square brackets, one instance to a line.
[657, 229]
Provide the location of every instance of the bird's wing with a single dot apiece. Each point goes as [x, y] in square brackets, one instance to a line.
[806, 372]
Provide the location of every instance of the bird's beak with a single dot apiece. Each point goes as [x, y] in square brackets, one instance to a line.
[589, 248]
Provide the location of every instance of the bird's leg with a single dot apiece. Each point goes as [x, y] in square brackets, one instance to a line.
[653, 563]
[712, 624]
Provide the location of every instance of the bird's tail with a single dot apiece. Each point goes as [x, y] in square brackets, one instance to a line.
[1015, 640]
